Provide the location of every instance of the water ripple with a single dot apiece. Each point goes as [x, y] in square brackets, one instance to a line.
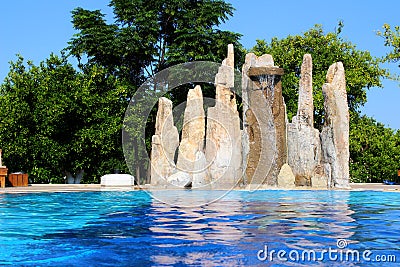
[131, 228]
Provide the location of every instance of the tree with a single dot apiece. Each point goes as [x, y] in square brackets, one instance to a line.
[374, 149]
[392, 39]
[149, 36]
[56, 121]
[362, 70]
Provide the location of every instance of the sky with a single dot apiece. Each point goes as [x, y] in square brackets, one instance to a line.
[37, 28]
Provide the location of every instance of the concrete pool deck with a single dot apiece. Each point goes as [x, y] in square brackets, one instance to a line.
[36, 188]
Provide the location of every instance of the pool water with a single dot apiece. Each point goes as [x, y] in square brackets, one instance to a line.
[134, 229]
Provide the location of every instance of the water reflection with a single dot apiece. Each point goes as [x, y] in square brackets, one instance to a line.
[243, 223]
[131, 228]
[377, 220]
[210, 229]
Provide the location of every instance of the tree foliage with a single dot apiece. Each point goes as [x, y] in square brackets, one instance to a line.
[56, 120]
[149, 36]
[374, 149]
[362, 69]
[392, 40]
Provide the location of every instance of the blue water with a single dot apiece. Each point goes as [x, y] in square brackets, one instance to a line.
[135, 229]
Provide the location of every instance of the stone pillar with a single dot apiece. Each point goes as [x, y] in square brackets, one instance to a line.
[164, 144]
[223, 145]
[335, 132]
[304, 146]
[191, 149]
[264, 117]
[305, 112]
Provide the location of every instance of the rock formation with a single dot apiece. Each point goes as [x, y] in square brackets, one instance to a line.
[305, 112]
[264, 120]
[321, 160]
[335, 132]
[269, 150]
[286, 178]
[180, 179]
[164, 144]
[191, 148]
[304, 146]
[223, 145]
[200, 176]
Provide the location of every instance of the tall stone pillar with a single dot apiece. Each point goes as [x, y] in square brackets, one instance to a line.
[335, 132]
[164, 144]
[191, 158]
[223, 145]
[265, 148]
[304, 146]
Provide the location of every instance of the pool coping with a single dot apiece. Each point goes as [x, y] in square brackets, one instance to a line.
[37, 188]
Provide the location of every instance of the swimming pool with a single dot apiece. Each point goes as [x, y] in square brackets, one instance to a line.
[243, 228]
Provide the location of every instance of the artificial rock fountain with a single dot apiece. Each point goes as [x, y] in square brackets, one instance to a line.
[264, 120]
[215, 153]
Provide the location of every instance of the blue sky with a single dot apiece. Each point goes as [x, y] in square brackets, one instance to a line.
[36, 28]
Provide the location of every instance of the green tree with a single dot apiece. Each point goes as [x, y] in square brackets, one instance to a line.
[147, 37]
[374, 149]
[392, 40]
[56, 121]
[362, 69]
